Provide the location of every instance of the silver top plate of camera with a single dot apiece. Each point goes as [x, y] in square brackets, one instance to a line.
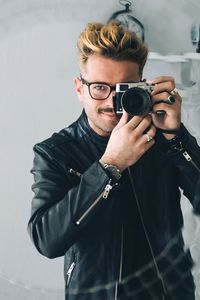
[123, 86]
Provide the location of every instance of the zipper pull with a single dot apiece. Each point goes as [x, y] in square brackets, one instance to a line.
[69, 272]
[107, 190]
[187, 156]
[72, 171]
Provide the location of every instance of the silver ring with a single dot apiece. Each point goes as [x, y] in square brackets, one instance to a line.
[171, 99]
[174, 92]
[148, 137]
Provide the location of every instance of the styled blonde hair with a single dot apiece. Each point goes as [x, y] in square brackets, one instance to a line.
[113, 41]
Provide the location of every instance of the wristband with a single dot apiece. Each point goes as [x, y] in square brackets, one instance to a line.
[112, 170]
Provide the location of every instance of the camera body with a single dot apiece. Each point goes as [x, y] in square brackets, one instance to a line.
[134, 98]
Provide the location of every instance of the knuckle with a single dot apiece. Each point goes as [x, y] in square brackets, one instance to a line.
[166, 94]
[171, 84]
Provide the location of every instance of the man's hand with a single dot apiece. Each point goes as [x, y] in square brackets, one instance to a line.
[128, 141]
[171, 119]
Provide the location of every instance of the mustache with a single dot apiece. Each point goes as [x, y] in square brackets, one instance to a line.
[106, 109]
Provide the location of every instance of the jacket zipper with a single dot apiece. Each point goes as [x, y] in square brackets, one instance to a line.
[189, 158]
[69, 272]
[103, 195]
[186, 155]
[121, 263]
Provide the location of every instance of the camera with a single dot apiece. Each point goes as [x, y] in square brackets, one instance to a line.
[134, 98]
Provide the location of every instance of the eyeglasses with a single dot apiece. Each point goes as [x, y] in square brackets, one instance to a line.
[98, 90]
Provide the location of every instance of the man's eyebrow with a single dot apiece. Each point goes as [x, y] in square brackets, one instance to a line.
[123, 81]
[103, 82]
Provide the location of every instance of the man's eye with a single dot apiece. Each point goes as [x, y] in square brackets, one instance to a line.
[100, 87]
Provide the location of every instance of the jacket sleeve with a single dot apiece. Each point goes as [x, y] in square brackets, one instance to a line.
[184, 151]
[60, 201]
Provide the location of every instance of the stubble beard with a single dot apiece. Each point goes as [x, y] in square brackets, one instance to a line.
[107, 129]
[102, 125]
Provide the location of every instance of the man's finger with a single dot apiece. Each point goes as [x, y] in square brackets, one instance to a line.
[124, 119]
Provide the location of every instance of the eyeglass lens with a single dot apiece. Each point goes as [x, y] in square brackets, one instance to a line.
[99, 91]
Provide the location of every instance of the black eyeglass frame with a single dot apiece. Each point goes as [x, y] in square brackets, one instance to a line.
[88, 84]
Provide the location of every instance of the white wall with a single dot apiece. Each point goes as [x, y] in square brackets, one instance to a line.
[37, 66]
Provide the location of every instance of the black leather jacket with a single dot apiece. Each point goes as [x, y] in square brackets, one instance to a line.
[121, 240]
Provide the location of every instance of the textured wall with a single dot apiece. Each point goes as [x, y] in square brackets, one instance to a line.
[37, 65]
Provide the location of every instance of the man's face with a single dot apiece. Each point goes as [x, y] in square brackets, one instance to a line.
[100, 113]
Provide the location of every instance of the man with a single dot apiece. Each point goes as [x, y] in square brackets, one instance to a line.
[107, 187]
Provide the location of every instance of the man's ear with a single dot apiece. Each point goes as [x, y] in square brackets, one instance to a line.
[78, 87]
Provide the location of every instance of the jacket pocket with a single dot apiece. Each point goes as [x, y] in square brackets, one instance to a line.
[104, 195]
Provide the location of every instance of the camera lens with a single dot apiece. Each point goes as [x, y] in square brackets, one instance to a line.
[136, 101]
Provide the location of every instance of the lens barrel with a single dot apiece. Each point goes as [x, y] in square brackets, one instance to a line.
[136, 101]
